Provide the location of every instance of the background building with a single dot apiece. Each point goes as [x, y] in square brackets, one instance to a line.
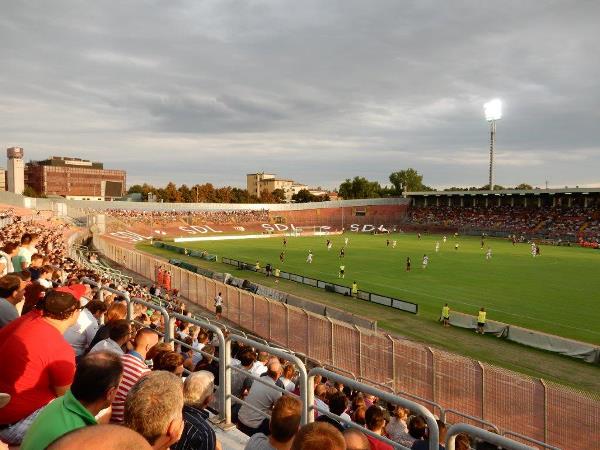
[2, 179]
[258, 182]
[15, 178]
[75, 178]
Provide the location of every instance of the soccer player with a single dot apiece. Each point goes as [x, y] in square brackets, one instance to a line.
[342, 252]
[533, 250]
[488, 254]
[309, 257]
[437, 246]
[354, 289]
[537, 250]
[269, 269]
[444, 239]
[346, 240]
[418, 235]
[456, 246]
[387, 243]
[277, 273]
[394, 244]
[341, 272]
[481, 318]
[257, 266]
[425, 261]
[284, 241]
[446, 315]
[282, 256]
[329, 245]
[408, 263]
[482, 242]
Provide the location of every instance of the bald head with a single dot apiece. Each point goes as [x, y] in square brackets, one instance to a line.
[101, 437]
[355, 440]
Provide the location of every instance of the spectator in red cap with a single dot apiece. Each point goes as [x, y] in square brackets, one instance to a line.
[42, 363]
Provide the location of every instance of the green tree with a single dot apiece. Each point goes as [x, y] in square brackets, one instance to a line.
[303, 196]
[171, 195]
[279, 195]
[31, 192]
[185, 193]
[524, 187]
[135, 189]
[359, 187]
[266, 196]
[239, 195]
[408, 180]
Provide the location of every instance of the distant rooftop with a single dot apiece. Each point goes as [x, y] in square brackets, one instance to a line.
[566, 190]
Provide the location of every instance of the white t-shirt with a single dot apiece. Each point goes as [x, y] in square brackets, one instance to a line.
[80, 335]
[26, 253]
[4, 261]
[46, 283]
[109, 345]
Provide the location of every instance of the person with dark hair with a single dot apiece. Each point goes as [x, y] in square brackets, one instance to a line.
[81, 334]
[170, 361]
[12, 292]
[284, 424]
[94, 386]
[338, 403]
[318, 436]
[6, 254]
[423, 444]
[34, 293]
[42, 364]
[45, 278]
[375, 421]
[116, 311]
[119, 334]
[35, 266]
[417, 428]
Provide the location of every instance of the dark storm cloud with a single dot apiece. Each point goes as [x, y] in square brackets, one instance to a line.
[196, 91]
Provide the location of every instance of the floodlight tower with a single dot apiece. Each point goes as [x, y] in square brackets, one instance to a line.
[493, 112]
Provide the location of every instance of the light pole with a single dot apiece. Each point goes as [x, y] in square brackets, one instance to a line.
[493, 112]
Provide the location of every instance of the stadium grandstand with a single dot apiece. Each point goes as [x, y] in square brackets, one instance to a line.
[95, 337]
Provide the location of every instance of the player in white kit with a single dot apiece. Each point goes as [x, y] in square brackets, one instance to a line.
[437, 246]
[425, 261]
[488, 254]
[309, 257]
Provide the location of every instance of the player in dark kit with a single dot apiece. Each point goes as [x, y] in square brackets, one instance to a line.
[408, 263]
[342, 252]
[284, 242]
[281, 256]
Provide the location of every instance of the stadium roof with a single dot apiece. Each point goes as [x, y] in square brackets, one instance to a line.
[575, 190]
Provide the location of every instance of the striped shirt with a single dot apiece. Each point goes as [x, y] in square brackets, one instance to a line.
[133, 370]
[197, 432]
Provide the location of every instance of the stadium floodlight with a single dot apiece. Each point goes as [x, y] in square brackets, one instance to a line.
[493, 112]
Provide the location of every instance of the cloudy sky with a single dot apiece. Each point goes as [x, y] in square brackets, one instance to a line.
[207, 91]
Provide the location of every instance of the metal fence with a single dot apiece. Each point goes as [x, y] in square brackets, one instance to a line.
[472, 391]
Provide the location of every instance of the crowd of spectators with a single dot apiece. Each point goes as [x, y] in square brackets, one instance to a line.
[553, 223]
[190, 217]
[77, 374]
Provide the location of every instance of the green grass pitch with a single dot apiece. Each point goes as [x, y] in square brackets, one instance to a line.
[556, 292]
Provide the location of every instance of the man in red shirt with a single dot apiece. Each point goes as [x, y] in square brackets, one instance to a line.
[375, 419]
[37, 363]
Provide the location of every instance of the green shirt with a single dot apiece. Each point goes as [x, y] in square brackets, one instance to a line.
[58, 418]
